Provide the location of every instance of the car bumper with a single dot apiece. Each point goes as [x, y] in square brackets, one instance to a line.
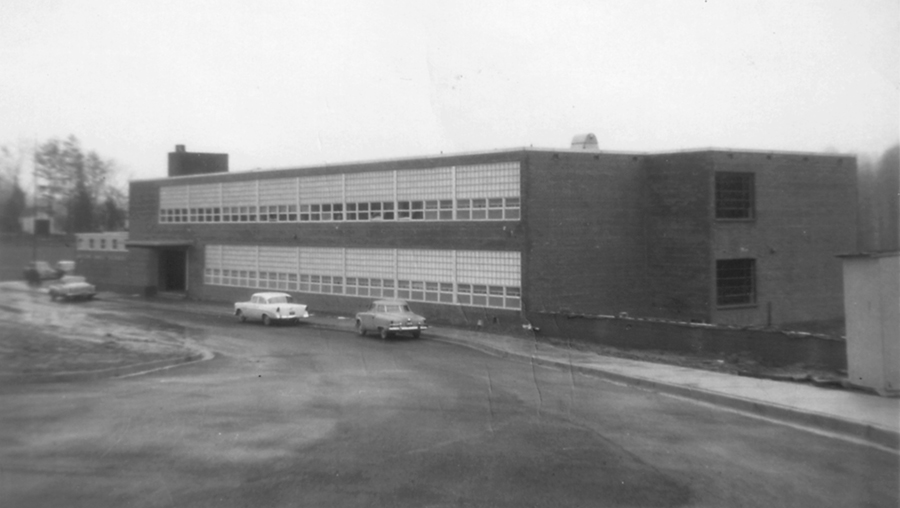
[73, 296]
[291, 317]
[407, 328]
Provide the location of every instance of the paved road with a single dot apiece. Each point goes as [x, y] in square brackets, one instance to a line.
[308, 417]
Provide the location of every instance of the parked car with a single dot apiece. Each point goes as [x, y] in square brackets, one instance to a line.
[65, 267]
[72, 287]
[37, 271]
[388, 317]
[271, 307]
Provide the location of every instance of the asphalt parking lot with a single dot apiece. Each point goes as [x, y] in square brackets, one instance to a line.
[315, 416]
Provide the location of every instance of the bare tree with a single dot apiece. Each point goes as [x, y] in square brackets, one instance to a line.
[112, 213]
[74, 179]
[12, 196]
[879, 206]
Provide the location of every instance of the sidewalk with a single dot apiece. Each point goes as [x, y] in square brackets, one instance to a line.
[846, 413]
[853, 415]
[850, 414]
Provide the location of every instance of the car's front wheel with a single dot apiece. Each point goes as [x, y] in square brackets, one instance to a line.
[360, 329]
[240, 316]
[384, 333]
[267, 321]
[416, 334]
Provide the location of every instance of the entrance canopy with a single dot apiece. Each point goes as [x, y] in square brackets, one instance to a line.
[160, 244]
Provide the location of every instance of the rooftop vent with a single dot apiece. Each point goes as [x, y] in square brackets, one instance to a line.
[585, 142]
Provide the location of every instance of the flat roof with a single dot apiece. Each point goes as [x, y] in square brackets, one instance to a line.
[499, 151]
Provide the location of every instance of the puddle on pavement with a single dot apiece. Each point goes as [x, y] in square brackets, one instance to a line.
[90, 321]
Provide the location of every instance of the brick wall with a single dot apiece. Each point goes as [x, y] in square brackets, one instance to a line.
[677, 197]
[805, 216]
[584, 233]
[767, 348]
[132, 271]
[600, 233]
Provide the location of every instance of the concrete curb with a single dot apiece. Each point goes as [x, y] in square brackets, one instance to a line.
[827, 423]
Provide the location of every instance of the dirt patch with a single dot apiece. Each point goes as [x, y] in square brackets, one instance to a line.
[26, 351]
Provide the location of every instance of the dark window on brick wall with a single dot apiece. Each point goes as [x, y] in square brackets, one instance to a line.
[734, 195]
[735, 281]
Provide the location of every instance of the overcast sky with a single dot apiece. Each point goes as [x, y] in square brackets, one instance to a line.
[292, 83]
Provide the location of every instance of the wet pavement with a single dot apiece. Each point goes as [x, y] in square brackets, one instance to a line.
[51, 341]
[847, 414]
[313, 415]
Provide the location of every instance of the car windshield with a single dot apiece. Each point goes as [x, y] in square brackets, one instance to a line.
[396, 308]
[73, 278]
[281, 299]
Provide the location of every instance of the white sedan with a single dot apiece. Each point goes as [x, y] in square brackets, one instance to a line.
[72, 287]
[271, 307]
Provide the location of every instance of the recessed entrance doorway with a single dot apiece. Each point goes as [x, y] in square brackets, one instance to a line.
[173, 270]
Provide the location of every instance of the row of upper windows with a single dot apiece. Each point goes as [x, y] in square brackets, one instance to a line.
[734, 200]
[457, 182]
[448, 209]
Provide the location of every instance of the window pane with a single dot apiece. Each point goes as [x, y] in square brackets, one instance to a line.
[734, 195]
[735, 281]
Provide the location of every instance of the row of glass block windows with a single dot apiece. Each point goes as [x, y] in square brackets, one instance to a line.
[478, 295]
[464, 209]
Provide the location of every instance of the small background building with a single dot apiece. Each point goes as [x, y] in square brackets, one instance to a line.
[105, 259]
[41, 224]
